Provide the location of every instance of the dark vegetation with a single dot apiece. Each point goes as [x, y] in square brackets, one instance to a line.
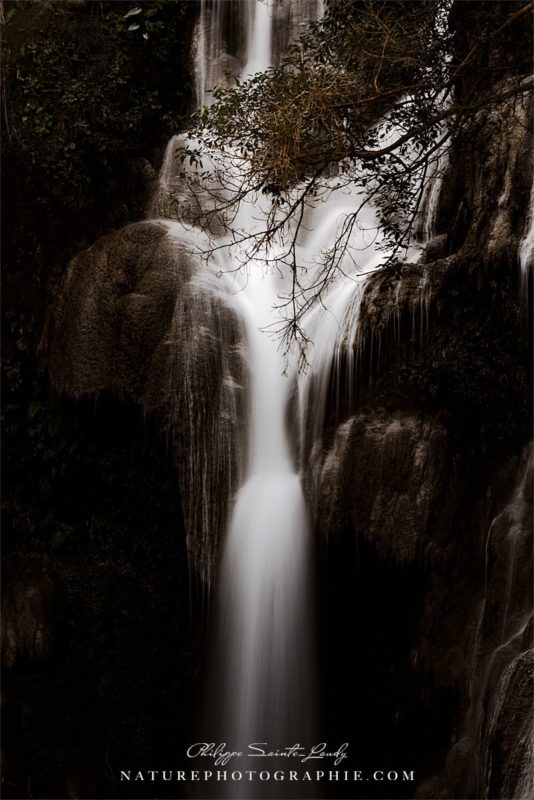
[91, 503]
[91, 91]
[383, 88]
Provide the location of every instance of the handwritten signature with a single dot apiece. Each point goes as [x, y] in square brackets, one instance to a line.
[221, 754]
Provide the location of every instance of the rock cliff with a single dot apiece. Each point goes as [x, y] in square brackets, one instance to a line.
[431, 467]
[137, 317]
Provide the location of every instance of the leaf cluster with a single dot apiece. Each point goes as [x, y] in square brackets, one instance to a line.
[371, 97]
[77, 94]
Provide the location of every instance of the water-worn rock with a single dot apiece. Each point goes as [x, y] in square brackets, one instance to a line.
[507, 746]
[388, 475]
[31, 610]
[429, 464]
[481, 219]
[139, 316]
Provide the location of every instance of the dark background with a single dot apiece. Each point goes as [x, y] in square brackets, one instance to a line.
[105, 646]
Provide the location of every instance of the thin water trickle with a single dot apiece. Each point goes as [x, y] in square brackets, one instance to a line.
[259, 37]
[500, 648]
[526, 249]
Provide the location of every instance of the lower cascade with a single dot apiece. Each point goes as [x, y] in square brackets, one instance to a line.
[266, 653]
[264, 657]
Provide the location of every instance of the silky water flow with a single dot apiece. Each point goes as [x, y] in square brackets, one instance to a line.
[264, 656]
[263, 664]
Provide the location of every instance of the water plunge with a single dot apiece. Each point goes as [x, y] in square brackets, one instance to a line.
[264, 658]
[265, 632]
[265, 655]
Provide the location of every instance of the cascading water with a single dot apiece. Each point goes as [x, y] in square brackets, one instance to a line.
[265, 643]
[502, 654]
[526, 249]
[265, 653]
[333, 326]
[265, 648]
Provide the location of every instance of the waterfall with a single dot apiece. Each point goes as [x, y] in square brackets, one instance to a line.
[502, 653]
[521, 761]
[426, 228]
[264, 658]
[332, 329]
[332, 326]
[266, 650]
[240, 37]
[259, 38]
[265, 634]
[526, 248]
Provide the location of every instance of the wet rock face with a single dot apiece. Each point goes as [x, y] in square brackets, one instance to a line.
[412, 499]
[140, 317]
[498, 722]
[481, 218]
[184, 193]
[98, 336]
[31, 611]
[508, 750]
[119, 685]
[429, 466]
[485, 196]
[387, 474]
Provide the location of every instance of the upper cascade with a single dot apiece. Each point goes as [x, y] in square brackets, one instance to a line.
[241, 38]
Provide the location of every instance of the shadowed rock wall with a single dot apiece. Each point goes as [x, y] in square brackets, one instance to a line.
[431, 468]
[137, 316]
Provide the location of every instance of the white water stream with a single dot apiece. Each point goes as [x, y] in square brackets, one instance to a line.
[265, 657]
[265, 652]
[526, 249]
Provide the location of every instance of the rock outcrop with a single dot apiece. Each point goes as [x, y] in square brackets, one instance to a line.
[430, 467]
[31, 612]
[140, 317]
[387, 476]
